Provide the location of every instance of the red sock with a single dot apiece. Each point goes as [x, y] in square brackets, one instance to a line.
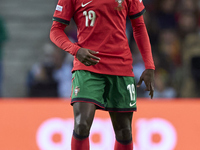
[82, 144]
[119, 146]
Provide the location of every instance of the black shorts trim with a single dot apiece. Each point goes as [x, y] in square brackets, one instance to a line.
[121, 109]
[61, 20]
[138, 14]
[87, 100]
[101, 106]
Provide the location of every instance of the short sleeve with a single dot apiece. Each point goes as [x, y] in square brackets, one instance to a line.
[136, 8]
[64, 11]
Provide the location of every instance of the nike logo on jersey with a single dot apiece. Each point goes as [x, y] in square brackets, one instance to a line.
[83, 5]
[132, 104]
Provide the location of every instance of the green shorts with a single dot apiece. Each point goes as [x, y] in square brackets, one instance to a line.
[107, 92]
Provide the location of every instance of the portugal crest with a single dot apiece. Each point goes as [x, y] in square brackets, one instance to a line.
[76, 90]
[119, 7]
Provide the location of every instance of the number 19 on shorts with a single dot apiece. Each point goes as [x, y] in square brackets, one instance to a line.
[131, 89]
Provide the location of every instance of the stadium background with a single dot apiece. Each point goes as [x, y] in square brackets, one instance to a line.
[29, 64]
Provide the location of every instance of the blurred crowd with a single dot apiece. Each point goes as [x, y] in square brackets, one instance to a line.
[3, 38]
[51, 75]
[174, 31]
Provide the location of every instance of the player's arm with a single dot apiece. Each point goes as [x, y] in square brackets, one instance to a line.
[142, 39]
[63, 13]
[59, 38]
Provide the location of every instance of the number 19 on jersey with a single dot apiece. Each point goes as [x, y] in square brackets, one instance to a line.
[90, 16]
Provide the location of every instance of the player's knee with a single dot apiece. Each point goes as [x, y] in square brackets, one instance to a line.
[82, 129]
[123, 134]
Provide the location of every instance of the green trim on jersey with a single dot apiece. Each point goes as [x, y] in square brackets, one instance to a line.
[61, 20]
[138, 14]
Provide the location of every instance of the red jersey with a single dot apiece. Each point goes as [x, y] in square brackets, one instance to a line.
[101, 26]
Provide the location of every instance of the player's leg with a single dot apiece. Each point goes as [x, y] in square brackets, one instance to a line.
[121, 102]
[87, 91]
[83, 118]
[121, 122]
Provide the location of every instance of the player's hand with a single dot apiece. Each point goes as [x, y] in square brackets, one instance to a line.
[148, 78]
[87, 57]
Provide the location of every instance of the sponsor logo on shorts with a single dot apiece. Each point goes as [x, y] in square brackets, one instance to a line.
[76, 90]
[132, 104]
